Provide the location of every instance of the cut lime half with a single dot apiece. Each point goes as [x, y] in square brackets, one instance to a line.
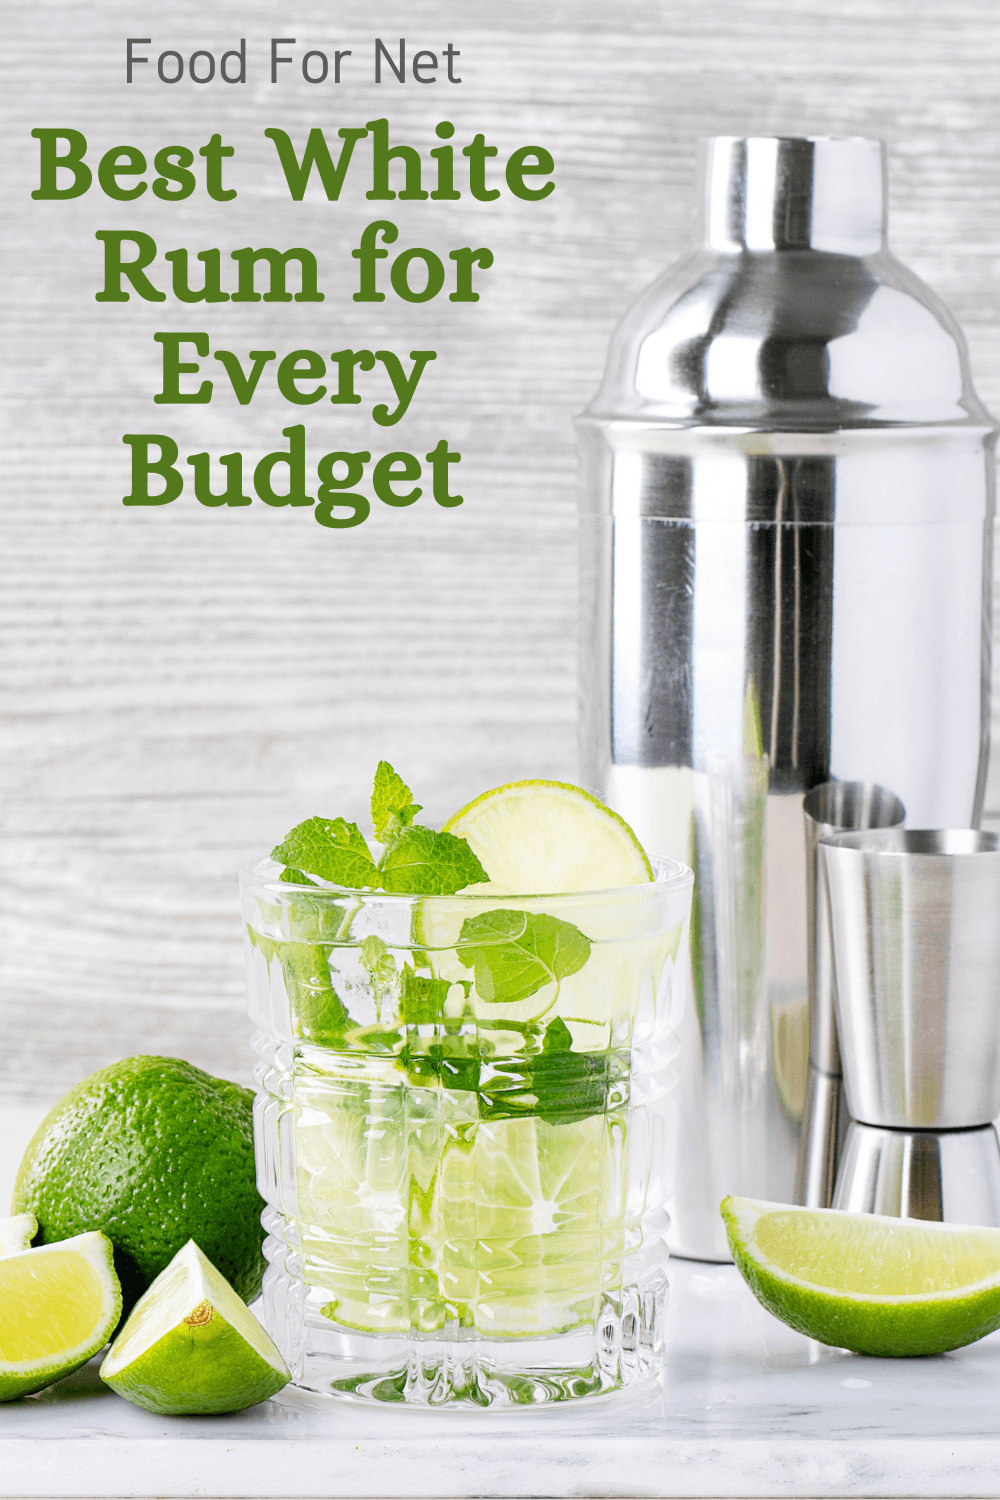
[864, 1282]
[58, 1306]
[191, 1346]
[540, 838]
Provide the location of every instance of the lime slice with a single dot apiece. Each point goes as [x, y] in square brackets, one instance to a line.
[58, 1306]
[550, 1219]
[863, 1282]
[409, 1222]
[539, 838]
[190, 1346]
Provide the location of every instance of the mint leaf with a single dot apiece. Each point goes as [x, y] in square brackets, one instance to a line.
[558, 1086]
[514, 953]
[393, 808]
[439, 1048]
[558, 1037]
[376, 959]
[421, 1000]
[331, 848]
[421, 862]
[380, 966]
[318, 1013]
[295, 877]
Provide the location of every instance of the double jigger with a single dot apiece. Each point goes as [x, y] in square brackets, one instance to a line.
[904, 949]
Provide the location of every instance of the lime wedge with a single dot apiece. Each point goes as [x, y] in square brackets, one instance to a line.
[538, 838]
[17, 1233]
[191, 1346]
[863, 1282]
[58, 1306]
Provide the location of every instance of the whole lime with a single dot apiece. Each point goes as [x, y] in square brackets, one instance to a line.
[153, 1152]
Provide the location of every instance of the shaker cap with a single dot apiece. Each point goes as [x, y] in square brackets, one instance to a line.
[793, 193]
[790, 314]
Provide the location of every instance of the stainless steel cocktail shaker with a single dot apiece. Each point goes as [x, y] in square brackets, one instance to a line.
[786, 535]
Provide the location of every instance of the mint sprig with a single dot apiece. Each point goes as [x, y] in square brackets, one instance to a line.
[415, 861]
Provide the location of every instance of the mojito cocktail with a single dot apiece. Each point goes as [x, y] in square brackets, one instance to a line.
[463, 1133]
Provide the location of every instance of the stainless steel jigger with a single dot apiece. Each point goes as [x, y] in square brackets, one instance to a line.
[915, 937]
[833, 806]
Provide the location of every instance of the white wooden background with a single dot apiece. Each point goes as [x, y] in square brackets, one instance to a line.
[181, 685]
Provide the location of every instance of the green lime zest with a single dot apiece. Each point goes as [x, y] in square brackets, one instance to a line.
[151, 1151]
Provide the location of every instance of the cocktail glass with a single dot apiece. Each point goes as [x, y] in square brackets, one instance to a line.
[464, 1134]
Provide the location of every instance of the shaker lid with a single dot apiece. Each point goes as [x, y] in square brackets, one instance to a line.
[793, 193]
[790, 314]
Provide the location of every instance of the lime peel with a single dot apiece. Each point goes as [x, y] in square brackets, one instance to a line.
[191, 1346]
[58, 1306]
[152, 1151]
[866, 1282]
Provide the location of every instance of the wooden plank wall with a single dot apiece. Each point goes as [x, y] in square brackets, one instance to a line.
[181, 685]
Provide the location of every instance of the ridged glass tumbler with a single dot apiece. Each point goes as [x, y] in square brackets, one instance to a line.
[464, 1135]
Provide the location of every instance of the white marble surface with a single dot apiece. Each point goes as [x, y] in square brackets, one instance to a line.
[746, 1408]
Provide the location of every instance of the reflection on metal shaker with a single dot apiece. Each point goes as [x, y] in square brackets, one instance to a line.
[786, 531]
